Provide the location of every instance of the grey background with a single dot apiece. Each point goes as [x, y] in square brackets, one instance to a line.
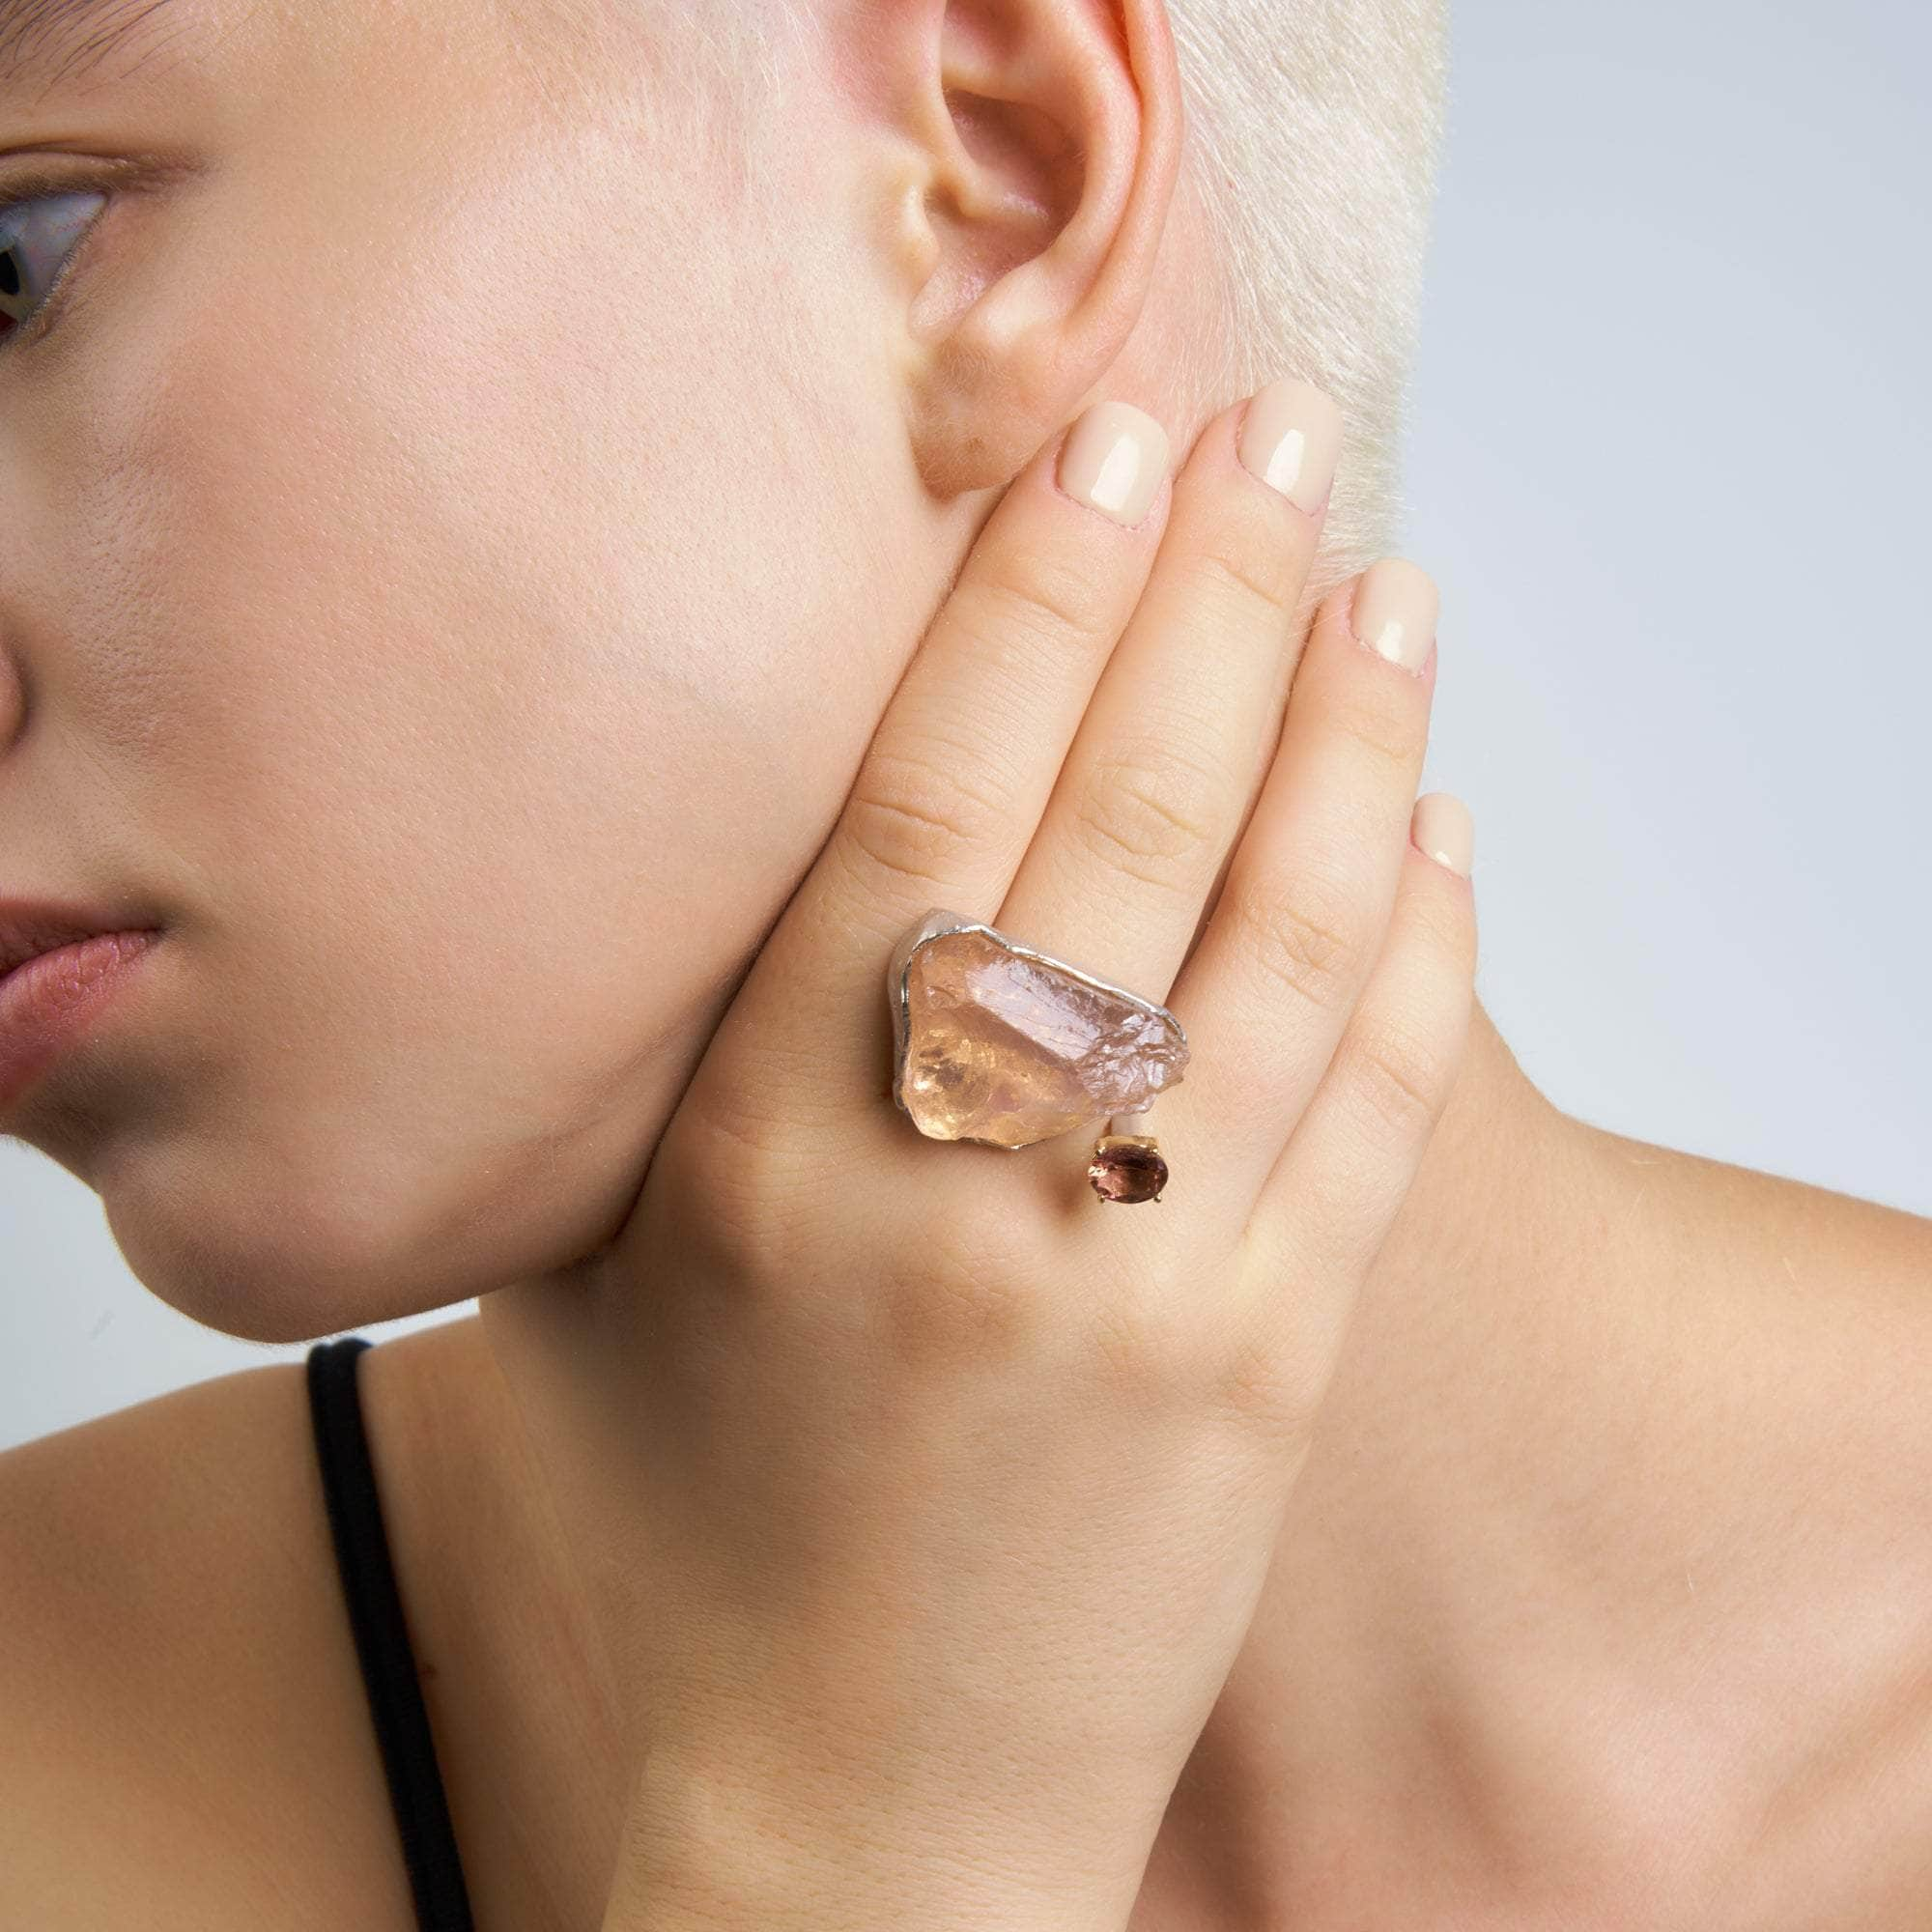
[1669, 465]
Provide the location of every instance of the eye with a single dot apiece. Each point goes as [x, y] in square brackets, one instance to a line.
[38, 235]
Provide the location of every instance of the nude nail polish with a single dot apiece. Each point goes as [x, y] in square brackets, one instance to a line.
[1113, 460]
[1291, 438]
[1442, 826]
[1395, 610]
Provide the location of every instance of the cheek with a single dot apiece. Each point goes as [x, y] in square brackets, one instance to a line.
[513, 675]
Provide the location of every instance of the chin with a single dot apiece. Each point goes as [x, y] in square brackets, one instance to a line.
[269, 1266]
[289, 1239]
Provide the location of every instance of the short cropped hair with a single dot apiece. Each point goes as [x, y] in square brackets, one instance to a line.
[1314, 127]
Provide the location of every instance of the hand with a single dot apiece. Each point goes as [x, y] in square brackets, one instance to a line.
[925, 1500]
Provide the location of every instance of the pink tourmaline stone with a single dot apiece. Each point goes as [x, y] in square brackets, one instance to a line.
[1127, 1167]
[1005, 1049]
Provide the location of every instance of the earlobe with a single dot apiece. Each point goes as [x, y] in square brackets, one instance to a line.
[1026, 214]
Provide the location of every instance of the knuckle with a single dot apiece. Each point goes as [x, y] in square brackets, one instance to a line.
[912, 815]
[1302, 936]
[1385, 723]
[1272, 1385]
[1240, 556]
[1041, 593]
[1397, 1072]
[1147, 811]
[741, 1162]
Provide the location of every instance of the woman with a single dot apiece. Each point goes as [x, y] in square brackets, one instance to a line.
[530, 693]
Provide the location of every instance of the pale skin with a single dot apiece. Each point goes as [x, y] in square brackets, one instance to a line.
[1600, 1596]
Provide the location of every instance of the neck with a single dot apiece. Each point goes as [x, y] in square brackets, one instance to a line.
[1597, 1556]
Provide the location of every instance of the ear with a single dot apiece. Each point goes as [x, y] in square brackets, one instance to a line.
[1031, 158]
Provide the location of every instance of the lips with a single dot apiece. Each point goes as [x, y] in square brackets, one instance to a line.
[30, 929]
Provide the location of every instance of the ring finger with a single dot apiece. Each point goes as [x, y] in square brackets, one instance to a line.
[1300, 921]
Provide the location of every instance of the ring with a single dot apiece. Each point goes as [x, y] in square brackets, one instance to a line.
[998, 1043]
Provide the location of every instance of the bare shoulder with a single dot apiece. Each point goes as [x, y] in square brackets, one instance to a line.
[183, 1739]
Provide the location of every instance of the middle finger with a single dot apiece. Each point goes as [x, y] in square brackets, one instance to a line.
[1168, 754]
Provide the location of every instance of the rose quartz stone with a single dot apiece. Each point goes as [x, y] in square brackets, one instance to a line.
[1007, 1050]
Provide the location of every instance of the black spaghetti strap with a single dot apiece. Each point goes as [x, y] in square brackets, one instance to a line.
[382, 1637]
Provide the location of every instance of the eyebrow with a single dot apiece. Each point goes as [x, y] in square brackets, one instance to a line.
[54, 42]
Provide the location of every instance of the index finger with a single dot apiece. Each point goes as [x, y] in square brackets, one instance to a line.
[965, 758]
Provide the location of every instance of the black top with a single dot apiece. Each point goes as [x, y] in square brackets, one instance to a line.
[382, 1638]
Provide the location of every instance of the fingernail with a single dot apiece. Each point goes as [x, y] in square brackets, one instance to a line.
[1395, 610]
[1441, 825]
[1113, 460]
[1292, 437]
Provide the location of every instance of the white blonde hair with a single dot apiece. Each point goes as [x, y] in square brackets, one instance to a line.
[1313, 132]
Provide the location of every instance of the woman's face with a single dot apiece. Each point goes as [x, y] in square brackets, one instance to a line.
[449, 539]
